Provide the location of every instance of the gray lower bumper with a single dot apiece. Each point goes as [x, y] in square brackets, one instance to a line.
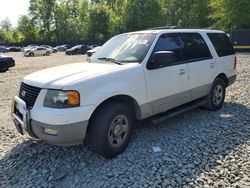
[69, 134]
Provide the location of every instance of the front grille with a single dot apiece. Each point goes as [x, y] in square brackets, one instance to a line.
[29, 94]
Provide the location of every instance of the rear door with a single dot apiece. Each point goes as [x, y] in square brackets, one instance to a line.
[201, 65]
[168, 86]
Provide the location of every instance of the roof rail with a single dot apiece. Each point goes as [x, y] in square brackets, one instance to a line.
[164, 27]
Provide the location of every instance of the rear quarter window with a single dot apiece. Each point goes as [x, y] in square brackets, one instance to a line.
[221, 44]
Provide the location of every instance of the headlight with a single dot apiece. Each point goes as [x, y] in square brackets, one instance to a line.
[61, 99]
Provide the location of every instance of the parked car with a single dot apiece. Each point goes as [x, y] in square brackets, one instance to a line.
[93, 50]
[49, 47]
[3, 49]
[62, 48]
[14, 49]
[6, 62]
[154, 73]
[29, 47]
[36, 51]
[79, 49]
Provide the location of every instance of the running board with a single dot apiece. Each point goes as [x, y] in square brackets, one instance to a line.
[178, 110]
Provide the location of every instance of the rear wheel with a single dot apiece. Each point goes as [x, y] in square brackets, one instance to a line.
[4, 68]
[47, 53]
[216, 97]
[111, 129]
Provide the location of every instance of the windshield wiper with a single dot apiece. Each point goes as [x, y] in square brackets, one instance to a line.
[110, 60]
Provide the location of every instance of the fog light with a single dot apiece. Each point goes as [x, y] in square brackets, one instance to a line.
[50, 131]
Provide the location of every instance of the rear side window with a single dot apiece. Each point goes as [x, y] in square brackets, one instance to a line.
[195, 47]
[170, 42]
[221, 44]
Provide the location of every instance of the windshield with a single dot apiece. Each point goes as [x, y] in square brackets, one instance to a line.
[125, 48]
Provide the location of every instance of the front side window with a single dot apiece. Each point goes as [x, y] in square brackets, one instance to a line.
[195, 47]
[125, 48]
[170, 42]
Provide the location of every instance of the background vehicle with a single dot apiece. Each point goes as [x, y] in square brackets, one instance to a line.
[37, 51]
[49, 47]
[6, 62]
[3, 49]
[93, 50]
[29, 47]
[61, 48]
[240, 39]
[14, 49]
[79, 49]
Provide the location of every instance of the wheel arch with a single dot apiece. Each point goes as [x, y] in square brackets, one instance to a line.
[223, 76]
[126, 99]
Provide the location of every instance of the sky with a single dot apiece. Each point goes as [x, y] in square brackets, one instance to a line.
[13, 9]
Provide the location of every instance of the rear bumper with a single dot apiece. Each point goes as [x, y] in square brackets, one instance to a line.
[231, 80]
[67, 134]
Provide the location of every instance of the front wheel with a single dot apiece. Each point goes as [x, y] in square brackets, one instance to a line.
[47, 53]
[111, 129]
[216, 97]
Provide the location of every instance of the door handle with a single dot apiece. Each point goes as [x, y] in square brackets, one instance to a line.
[212, 65]
[182, 71]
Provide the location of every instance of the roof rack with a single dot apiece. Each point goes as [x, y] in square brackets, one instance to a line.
[164, 27]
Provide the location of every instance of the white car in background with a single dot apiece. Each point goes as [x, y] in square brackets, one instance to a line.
[37, 51]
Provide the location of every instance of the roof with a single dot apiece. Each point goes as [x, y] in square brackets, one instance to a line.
[176, 30]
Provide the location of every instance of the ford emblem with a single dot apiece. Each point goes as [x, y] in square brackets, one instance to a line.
[23, 93]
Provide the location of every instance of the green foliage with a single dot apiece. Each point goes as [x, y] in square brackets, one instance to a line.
[27, 29]
[230, 14]
[142, 14]
[72, 20]
[99, 17]
[5, 24]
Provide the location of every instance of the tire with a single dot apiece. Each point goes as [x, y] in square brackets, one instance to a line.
[31, 54]
[111, 129]
[216, 97]
[4, 68]
[47, 53]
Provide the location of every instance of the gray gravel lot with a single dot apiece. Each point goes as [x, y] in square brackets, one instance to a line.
[198, 148]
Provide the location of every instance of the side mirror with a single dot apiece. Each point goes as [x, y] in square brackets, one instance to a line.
[162, 59]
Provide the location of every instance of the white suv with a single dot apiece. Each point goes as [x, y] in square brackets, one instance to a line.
[132, 77]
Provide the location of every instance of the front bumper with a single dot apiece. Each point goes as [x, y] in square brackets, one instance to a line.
[68, 134]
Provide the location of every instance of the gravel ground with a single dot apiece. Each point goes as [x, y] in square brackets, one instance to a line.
[198, 148]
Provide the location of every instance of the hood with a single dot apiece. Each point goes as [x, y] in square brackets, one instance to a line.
[60, 76]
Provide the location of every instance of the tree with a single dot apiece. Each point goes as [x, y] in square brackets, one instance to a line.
[99, 21]
[26, 28]
[42, 12]
[230, 14]
[71, 20]
[5, 24]
[183, 13]
[142, 14]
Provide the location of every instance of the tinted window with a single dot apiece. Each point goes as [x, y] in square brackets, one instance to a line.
[221, 44]
[170, 42]
[195, 46]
